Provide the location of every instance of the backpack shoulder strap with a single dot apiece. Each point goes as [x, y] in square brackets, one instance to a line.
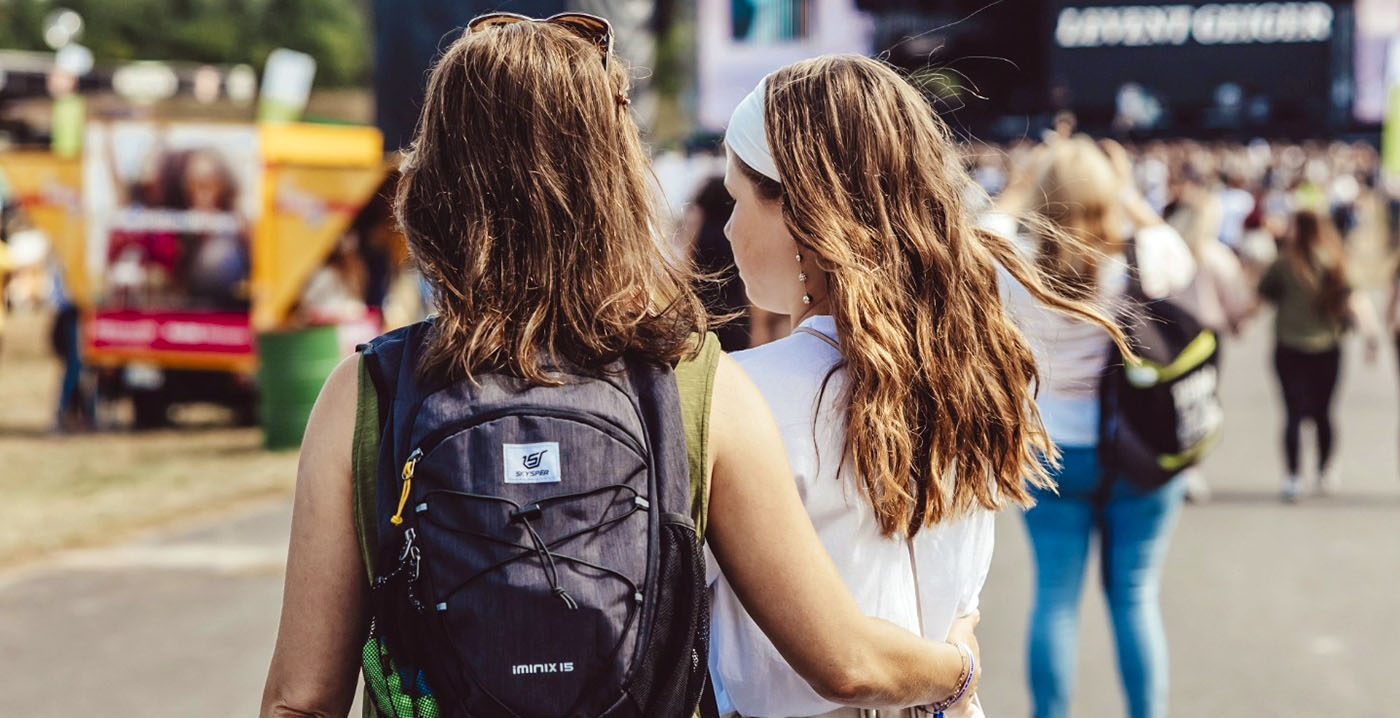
[1130, 257]
[385, 374]
[695, 380]
[364, 462]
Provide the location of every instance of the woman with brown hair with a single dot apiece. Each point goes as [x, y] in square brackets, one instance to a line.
[905, 394]
[526, 202]
[1315, 305]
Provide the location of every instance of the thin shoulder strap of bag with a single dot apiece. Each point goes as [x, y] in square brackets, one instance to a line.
[918, 593]
[695, 381]
[1137, 300]
[1130, 257]
[918, 610]
[908, 542]
[819, 335]
[364, 464]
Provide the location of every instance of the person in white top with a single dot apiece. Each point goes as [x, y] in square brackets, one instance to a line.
[904, 394]
[1082, 194]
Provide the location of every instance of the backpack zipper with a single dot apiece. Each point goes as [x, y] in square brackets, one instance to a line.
[613, 431]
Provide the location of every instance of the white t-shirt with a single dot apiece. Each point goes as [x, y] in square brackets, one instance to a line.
[1070, 353]
[750, 676]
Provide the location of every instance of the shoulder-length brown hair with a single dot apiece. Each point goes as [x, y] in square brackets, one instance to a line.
[526, 201]
[941, 413]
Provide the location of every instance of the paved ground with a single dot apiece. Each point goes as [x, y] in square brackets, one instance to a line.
[1271, 609]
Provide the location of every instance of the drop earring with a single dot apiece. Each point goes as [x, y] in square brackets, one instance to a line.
[802, 277]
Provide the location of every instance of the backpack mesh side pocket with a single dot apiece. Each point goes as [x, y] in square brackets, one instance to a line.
[387, 686]
[681, 627]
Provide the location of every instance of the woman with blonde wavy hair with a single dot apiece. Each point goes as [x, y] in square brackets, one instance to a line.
[905, 393]
[1072, 188]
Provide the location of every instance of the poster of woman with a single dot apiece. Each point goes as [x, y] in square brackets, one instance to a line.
[171, 208]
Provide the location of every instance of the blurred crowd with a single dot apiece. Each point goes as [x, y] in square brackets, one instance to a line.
[1233, 204]
[1243, 193]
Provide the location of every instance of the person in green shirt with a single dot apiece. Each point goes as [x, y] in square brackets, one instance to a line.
[1315, 306]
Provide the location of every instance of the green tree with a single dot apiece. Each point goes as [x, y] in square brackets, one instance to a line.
[335, 32]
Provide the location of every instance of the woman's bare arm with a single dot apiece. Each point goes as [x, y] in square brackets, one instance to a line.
[770, 553]
[324, 604]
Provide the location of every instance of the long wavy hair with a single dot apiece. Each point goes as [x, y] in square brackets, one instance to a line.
[1077, 198]
[525, 198]
[1317, 257]
[941, 413]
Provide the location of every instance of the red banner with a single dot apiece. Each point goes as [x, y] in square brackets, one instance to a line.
[214, 334]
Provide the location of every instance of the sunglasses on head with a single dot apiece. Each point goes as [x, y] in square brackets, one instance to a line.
[592, 28]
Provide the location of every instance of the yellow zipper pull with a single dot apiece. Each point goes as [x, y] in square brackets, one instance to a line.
[408, 467]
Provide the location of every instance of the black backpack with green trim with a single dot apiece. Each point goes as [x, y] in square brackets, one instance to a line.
[1161, 414]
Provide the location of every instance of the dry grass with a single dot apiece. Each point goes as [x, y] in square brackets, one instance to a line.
[63, 491]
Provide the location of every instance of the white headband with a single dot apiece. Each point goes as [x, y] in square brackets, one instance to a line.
[746, 135]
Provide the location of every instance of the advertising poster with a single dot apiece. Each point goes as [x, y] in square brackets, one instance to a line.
[172, 209]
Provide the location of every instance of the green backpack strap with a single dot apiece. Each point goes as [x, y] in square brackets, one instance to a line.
[375, 663]
[695, 379]
[364, 462]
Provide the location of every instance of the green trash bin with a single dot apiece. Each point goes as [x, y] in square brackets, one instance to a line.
[292, 367]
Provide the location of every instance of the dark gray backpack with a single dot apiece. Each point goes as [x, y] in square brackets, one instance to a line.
[534, 552]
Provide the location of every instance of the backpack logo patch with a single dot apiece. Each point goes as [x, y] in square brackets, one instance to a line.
[532, 463]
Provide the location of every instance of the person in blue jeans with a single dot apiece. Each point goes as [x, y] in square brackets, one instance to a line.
[1088, 194]
[1133, 528]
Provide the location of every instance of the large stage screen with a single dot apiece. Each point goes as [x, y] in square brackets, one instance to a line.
[1223, 64]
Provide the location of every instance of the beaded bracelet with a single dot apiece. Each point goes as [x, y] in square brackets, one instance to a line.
[964, 683]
